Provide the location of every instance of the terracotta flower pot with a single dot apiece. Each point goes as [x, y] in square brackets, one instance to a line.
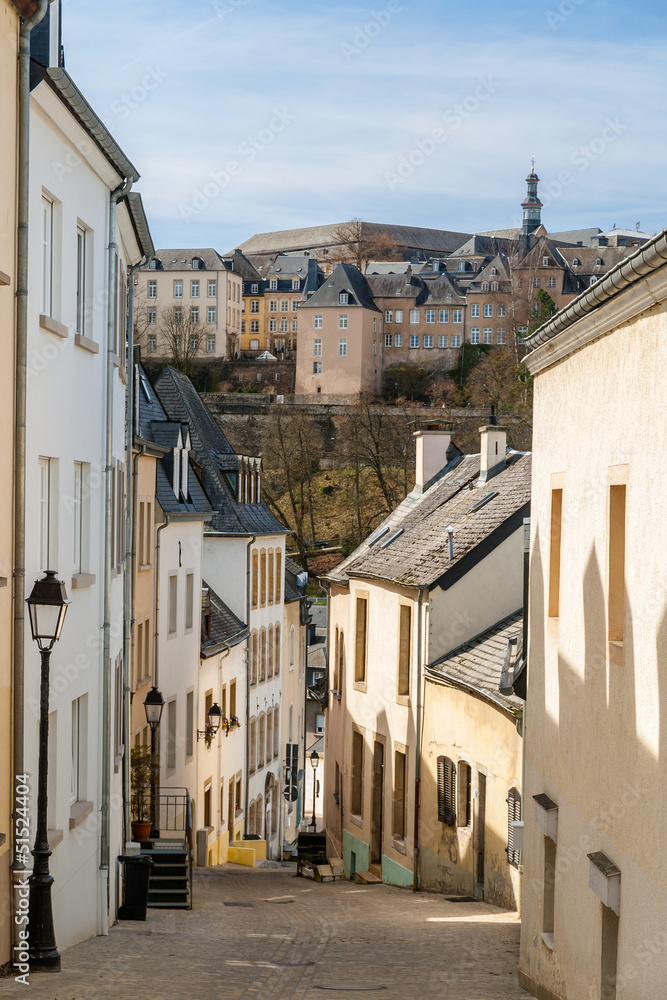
[140, 831]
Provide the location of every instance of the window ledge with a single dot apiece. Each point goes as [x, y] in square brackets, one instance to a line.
[548, 938]
[54, 838]
[356, 819]
[359, 686]
[398, 843]
[81, 580]
[53, 326]
[78, 812]
[5, 279]
[403, 699]
[3, 581]
[145, 566]
[3, 838]
[86, 343]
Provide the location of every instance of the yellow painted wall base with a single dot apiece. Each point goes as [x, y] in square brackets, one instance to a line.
[247, 852]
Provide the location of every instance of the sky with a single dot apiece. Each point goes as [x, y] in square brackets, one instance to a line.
[250, 116]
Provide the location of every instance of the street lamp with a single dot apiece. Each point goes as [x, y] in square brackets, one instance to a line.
[213, 721]
[47, 606]
[314, 761]
[153, 705]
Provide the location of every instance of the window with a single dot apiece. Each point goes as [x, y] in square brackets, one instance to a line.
[152, 343]
[269, 735]
[536, 282]
[554, 553]
[178, 318]
[254, 346]
[317, 367]
[284, 326]
[211, 288]
[446, 786]
[79, 749]
[488, 335]
[194, 314]
[500, 335]
[254, 326]
[254, 657]
[342, 347]
[294, 326]
[273, 284]
[172, 605]
[262, 578]
[152, 265]
[545, 262]
[47, 256]
[485, 286]
[474, 335]
[576, 262]
[273, 305]
[279, 572]
[494, 286]
[361, 640]
[343, 299]
[442, 340]
[522, 330]
[430, 315]
[616, 563]
[254, 305]
[317, 321]
[474, 310]
[189, 600]
[404, 649]
[375, 347]
[443, 316]
[414, 316]
[276, 731]
[548, 904]
[152, 317]
[464, 788]
[488, 309]
[357, 791]
[273, 326]
[551, 282]
[284, 305]
[210, 314]
[501, 310]
[513, 815]
[387, 340]
[317, 348]
[45, 470]
[457, 315]
[414, 340]
[398, 340]
[189, 723]
[81, 278]
[194, 289]
[389, 316]
[455, 340]
[171, 734]
[461, 265]
[295, 306]
[399, 315]
[254, 289]
[292, 643]
[276, 649]
[593, 279]
[252, 756]
[342, 321]
[152, 289]
[398, 816]
[78, 519]
[178, 289]
[295, 284]
[210, 345]
[262, 741]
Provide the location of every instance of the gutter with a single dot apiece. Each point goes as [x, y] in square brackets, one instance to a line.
[156, 633]
[638, 265]
[20, 381]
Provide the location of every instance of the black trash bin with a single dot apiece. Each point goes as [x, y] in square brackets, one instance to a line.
[135, 895]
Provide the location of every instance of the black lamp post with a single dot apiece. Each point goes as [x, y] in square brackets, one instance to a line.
[47, 606]
[213, 722]
[314, 761]
[153, 705]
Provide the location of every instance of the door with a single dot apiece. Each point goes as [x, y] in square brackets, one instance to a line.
[378, 787]
[480, 835]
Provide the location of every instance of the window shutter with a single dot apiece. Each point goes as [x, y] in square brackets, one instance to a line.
[441, 789]
[446, 788]
[513, 813]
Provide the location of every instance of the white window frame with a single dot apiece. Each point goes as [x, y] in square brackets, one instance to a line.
[455, 340]
[273, 325]
[457, 315]
[488, 310]
[414, 340]
[194, 288]
[211, 288]
[273, 305]
[342, 321]
[317, 367]
[47, 256]
[317, 321]
[343, 299]
[273, 285]
[430, 316]
[296, 284]
[152, 343]
[414, 317]
[389, 316]
[398, 340]
[487, 335]
[500, 335]
[442, 340]
[342, 347]
[428, 340]
[295, 325]
[210, 345]
[474, 310]
[178, 288]
[443, 316]
[317, 348]
[474, 335]
[254, 289]
[152, 316]
[77, 518]
[398, 316]
[194, 314]
[387, 340]
[284, 326]
[502, 309]
[152, 289]
[210, 314]
[81, 277]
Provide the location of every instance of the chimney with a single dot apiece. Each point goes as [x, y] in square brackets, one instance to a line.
[431, 443]
[493, 448]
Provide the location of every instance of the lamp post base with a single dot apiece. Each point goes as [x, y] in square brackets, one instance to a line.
[42, 950]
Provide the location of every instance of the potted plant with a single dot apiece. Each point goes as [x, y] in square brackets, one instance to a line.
[143, 770]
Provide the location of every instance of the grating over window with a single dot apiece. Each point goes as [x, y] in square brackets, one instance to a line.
[513, 814]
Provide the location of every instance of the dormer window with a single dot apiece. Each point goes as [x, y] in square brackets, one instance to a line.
[176, 483]
[494, 286]
[494, 270]
[195, 263]
[576, 262]
[599, 261]
[593, 279]
[485, 286]
[153, 265]
[462, 265]
[545, 262]
[343, 299]
[185, 469]
[273, 284]
[295, 284]
[254, 288]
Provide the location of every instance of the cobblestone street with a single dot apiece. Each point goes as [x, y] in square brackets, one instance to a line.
[264, 933]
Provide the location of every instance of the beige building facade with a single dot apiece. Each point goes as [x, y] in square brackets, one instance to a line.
[595, 883]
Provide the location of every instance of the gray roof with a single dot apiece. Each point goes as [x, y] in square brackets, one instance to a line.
[388, 267]
[419, 554]
[314, 237]
[140, 223]
[318, 614]
[587, 237]
[477, 664]
[406, 285]
[239, 263]
[504, 234]
[181, 260]
[484, 245]
[610, 256]
[442, 289]
[211, 451]
[345, 278]
[225, 629]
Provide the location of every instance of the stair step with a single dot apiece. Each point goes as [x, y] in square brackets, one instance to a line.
[167, 896]
[166, 857]
[367, 878]
[154, 905]
[375, 869]
[168, 882]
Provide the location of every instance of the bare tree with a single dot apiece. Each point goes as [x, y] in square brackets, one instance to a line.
[359, 245]
[178, 337]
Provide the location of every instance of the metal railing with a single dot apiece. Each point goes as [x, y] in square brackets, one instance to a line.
[174, 816]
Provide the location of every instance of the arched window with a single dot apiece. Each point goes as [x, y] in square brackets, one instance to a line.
[494, 286]
[259, 816]
[262, 654]
[274, 809]
[292, 641]
[335, 664]
[271, 582]
[277, 650]
[269, 643]
[262, 578]
[494, 270]
[599, 261]
[576, 262]
[252, 755]
[485, 286]
[252, 813]
[513, 814]
[262, 741]
[255, 578]
[446, 791]
[269, 735]
[279, 574]
[276, 731]
[290, 723]
[253, 658]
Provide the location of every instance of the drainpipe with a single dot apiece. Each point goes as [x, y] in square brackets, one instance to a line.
[418, 749]
[114, 198]
[526, 592]
[247, 685]
[20, 379]
[156, 647]
[130, 553]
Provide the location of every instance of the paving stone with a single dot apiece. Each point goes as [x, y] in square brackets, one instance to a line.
[334, 941]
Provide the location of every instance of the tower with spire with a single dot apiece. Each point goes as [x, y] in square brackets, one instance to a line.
[531, 205]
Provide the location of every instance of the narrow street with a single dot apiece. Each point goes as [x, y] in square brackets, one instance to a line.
[264, 933]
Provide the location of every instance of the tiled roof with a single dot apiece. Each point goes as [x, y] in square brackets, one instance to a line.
[197, 502]
[313, 237]
[210, 447]
[345, 278]
[478, 663]
[610, 256]
[224, 628]
[419, 554]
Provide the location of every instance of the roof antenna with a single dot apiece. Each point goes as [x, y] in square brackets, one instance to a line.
[493, 420]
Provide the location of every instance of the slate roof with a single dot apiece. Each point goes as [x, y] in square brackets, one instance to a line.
[610, 256]
[486, 246]
[419, 555]
[210, 448]
[345, 278]
[239, 263]
[442, 289]
[225, 629]
[181, 260]
[477, 664]
[315, 237]
[407, 286]
[388, 267]
[586, 237]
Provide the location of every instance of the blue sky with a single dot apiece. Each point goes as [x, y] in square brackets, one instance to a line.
[247, 116]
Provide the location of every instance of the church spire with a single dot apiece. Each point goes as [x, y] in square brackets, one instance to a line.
[531, 205]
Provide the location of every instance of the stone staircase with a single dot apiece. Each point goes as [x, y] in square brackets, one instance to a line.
[169, 884]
